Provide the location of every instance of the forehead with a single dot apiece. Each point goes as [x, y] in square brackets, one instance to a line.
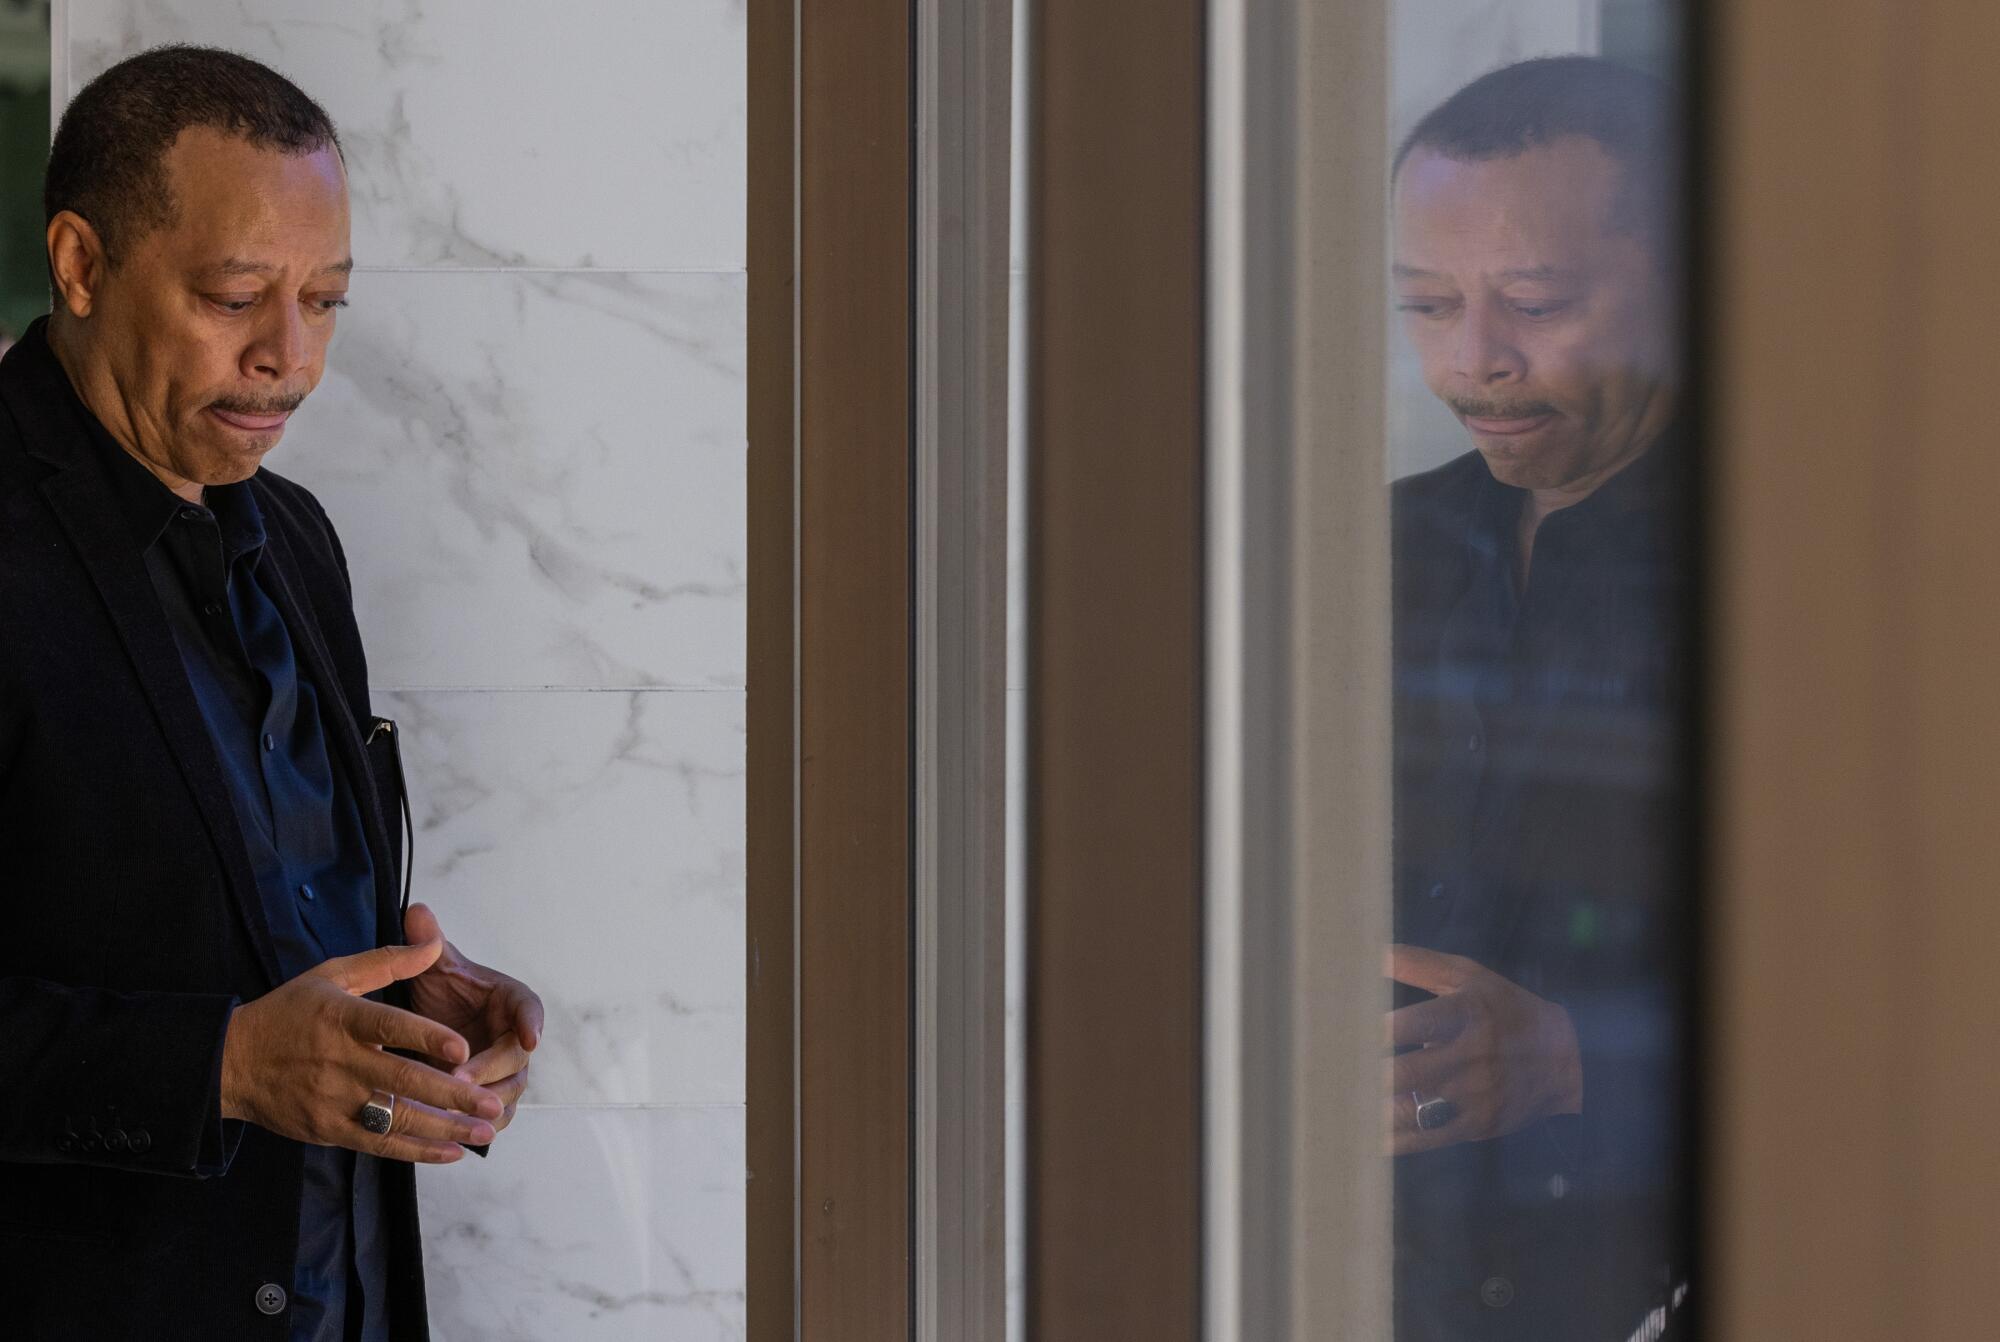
[235, 196]
[1553, 205]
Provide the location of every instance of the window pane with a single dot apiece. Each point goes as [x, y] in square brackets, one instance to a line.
[1540, 449]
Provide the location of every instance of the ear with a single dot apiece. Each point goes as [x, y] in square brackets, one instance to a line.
[77, 262]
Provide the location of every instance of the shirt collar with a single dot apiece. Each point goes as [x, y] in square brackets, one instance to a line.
[239, 518]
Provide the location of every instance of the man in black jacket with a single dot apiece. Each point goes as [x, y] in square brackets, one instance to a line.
[1540, 672]
[221, 1059]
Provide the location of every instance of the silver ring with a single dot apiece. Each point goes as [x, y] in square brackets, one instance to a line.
[376, 1116]
[1434, 1114]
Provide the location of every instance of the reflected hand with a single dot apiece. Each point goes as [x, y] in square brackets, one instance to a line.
[499, 1016]
[1502, 1055]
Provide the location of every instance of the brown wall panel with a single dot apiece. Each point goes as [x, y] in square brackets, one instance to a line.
[855, 688]
[830, 715]
[1114, 779]
[1854, 1190]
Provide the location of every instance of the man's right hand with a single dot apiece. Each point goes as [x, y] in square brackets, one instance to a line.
[304, 1058]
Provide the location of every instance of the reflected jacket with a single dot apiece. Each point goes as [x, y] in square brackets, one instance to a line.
[1541, 830]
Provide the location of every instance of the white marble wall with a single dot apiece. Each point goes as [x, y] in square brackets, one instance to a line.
[531, 436]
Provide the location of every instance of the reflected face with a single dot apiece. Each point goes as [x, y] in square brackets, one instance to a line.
[210, 331]
[1543, 319]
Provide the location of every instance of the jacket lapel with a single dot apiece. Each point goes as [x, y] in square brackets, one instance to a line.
[84, 504]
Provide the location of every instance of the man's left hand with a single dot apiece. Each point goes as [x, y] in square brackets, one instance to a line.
[1502, 1055]
[497, 1014]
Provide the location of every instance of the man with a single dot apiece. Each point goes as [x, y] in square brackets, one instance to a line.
[221, 1060]
[1541, 679]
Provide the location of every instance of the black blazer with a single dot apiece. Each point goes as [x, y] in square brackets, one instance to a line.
[132, 920]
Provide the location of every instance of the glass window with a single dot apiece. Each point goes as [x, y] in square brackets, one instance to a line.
[1540, 452]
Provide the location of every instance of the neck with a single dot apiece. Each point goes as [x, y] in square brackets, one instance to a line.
[1539, 503]
[99, 394]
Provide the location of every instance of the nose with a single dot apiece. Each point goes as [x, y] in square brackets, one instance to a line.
[1486, 353]
[279, 350]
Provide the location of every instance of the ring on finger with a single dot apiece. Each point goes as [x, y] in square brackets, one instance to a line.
[1433, 1114]
[379, 1113]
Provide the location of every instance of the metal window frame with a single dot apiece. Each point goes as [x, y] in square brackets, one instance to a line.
[1296, 1226]
[879, 244]
[832, 666]
[963, 171]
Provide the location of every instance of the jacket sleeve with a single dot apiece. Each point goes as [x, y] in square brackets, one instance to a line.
[131, 1081]
[1626, 1039]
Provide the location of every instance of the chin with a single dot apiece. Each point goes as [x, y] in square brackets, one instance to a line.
[1528, 467]
[230, 468]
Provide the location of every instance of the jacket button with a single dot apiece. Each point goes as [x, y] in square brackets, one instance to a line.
[142, 1141]
[270, 1298]
[1496, 1292]
[116, 1140]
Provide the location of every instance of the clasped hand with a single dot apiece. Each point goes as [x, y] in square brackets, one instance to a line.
[304, 1058]
[1503, 1056]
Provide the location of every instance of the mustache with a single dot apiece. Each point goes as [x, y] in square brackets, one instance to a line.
[248, 405]
[1468, 408]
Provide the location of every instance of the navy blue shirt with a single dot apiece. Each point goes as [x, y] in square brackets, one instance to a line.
[301, 823]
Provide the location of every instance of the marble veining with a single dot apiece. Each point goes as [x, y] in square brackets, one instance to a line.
[499, 132]
[540, 479]
[593, 844]
[591, 1225]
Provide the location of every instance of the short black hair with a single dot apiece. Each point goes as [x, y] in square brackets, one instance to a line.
[1521, 106]
[108, 161]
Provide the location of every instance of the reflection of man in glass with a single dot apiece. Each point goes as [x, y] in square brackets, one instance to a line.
[1540, 665]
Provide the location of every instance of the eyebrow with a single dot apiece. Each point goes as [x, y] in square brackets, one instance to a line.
[238, 266]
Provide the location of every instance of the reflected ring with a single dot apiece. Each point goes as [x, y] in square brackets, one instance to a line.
[377, 1116]
[1434, 1114]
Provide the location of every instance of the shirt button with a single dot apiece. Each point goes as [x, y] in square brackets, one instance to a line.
[1437, 891]
[270, 1298]
[306, 893]
[1496, 1292]
[193, 514]
[270, 741]
[1472, 744]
